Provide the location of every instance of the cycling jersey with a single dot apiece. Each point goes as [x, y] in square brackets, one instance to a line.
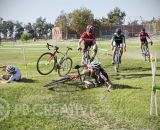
[143, 37]
[118, 39]
[102, 77]
[16, 76]
[88, 39]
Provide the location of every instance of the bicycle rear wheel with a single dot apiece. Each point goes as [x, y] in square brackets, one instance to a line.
[65, 67]
[116, 65]
[147, 55]
[46, 63]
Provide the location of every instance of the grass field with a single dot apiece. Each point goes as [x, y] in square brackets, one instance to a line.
[30, 106]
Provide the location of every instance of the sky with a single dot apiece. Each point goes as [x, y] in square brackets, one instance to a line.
[28, 10]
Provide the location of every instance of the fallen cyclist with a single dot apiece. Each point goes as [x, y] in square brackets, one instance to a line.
[95, 71]
[14, 74]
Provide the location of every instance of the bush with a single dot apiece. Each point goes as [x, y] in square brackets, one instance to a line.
[26, 36]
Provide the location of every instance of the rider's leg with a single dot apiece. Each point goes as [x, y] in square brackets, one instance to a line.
[121, 51]
[141, 47]
[109, 84]
[84, 48]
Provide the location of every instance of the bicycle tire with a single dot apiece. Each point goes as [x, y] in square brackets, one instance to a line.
[55, 82]
[64, 67]
[45, 67]
[147, 54]
[117, 60]
[116, 65]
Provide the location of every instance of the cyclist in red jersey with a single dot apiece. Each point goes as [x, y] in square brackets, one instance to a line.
[143, 38]
[88, 40]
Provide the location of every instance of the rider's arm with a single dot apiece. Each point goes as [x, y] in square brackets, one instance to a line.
[79, 43]
[112, 40]
[3, 67]
[124, 42]
[149, 38]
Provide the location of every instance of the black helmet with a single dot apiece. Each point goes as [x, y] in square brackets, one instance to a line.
[118, 31]
[143, 29]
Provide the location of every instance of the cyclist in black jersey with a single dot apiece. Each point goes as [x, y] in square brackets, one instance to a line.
[118, 39]
[95, 71]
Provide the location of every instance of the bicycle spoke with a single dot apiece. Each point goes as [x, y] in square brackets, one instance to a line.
[45, 63]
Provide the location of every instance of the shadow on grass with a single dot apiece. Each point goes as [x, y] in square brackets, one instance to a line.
[138, 69]
[26, 80]
[123, 86]
[131, 76]
[64, 87]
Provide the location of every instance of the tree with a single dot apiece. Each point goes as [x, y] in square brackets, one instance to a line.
[80, 19]
[135, 22]
[62, 21]
[30, 29]
[1, 22]
[116, 17]
[96, 24]
[4, 29]
[39, 27]
[19, 29]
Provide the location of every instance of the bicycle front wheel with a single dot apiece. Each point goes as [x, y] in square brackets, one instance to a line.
[65, 67]
[46, 63]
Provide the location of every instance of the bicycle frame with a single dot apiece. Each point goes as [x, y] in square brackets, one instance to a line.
[145, 51]
[59, 65]
[86, 57]
[64, 79]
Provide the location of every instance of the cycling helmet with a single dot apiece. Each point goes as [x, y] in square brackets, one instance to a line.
[143, 30]
[89, 29]
[10, 69]
[95, 64]
[118, 31]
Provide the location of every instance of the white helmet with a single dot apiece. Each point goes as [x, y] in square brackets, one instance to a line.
[95, 64]
[10, 69]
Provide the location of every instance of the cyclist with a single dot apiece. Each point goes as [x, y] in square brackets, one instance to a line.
[118, 39]
[88, 40]
[14, 74]
[143, 38]
[95, 71]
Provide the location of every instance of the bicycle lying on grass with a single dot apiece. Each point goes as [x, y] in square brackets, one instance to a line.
[48, 62]
[63, 80]
[145, 51]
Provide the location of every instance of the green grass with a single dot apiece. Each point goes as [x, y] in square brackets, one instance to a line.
[68, 107]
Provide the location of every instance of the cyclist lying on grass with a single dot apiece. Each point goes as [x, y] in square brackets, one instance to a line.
[14, 74]
[95, 71]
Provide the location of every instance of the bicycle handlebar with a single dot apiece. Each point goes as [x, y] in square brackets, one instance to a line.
[69, 48]
[55, 47]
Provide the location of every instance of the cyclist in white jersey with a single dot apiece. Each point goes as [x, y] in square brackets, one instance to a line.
[14, 74]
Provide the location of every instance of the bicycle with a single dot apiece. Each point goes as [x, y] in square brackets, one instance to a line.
[48, 62]
[145, 51]
[86, 57]
[63, 80]
[117, 58]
